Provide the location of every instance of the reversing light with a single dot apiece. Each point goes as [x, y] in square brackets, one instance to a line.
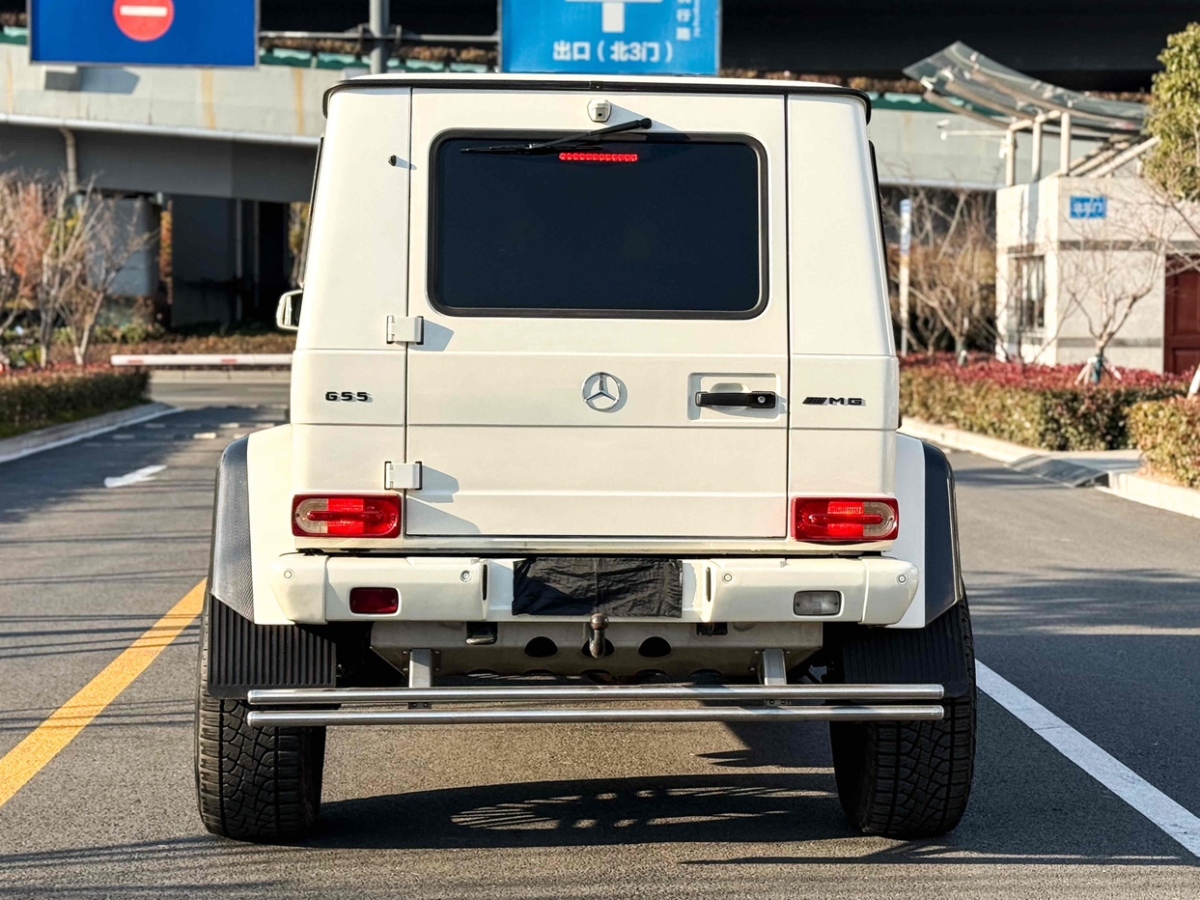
[845, 521]
[589, 156]
[374, 516]
[817, 603]
[374, 601]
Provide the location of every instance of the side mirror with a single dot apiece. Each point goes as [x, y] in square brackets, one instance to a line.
[287, 314]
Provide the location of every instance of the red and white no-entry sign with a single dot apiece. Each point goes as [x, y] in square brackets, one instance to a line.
[144, 20]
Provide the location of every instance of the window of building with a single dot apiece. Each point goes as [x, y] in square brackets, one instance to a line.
[1029, 291]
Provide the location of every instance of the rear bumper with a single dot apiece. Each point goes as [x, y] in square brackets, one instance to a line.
[316, 589]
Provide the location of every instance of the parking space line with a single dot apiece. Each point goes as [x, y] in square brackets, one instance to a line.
[46, 741]
[1173, 819]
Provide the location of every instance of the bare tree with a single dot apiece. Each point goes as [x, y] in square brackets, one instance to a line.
[952, 266]
[49, 244]
[14, 281]
[65, 248]
[109, 241]
[298, 231]
[1110, 266]
[13, 289]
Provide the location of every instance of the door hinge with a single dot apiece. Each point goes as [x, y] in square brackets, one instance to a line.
[405, 329]
[401, 476]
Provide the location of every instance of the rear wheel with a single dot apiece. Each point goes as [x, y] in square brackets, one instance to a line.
[911, 779]
[253, 784]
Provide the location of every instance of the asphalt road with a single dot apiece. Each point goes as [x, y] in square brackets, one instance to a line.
[1089, 603]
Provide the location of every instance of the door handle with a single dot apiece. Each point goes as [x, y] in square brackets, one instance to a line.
[751, 400]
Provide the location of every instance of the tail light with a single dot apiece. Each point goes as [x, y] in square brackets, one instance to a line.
[850, 521]
[592, 156]
[375, 516]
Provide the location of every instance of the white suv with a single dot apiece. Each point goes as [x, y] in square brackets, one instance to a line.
[595, 390]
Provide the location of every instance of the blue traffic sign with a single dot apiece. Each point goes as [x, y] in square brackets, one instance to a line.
[144, 32]
[629, 37]
[1089, 208]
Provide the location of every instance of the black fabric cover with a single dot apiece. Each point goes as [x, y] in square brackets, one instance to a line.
[614, 585]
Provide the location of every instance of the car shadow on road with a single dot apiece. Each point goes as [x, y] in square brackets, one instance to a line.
[773, 794]
[781, 814]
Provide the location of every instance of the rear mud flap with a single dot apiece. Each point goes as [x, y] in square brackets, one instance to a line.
[242, 655]
[930, 655]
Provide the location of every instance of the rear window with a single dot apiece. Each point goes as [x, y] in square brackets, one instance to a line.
[648, 227]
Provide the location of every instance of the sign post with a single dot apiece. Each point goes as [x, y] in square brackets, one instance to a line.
[905, 253]
[379, 27]
[627, 37]
[144, 32]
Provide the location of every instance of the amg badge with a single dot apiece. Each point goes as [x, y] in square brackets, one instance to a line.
[834, 401]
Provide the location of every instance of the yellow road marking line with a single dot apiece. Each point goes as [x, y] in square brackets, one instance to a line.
[45, 742]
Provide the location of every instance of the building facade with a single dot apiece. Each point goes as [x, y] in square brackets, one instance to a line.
[1079, 259]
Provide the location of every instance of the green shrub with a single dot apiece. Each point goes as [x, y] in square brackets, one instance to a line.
[41, 399]
[1168, 434]
[1038, 406]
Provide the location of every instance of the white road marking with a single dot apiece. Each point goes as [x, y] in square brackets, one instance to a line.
[146, 473]
[204, 436]
[1173, 819]
[153, 12]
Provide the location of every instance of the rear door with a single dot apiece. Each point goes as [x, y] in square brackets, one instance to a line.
[1181, 343]
[605, 340]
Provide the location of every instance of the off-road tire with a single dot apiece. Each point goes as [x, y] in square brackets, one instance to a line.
[253, 784]
[910, 779]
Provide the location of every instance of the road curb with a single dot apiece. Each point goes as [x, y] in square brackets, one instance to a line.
[1126, 485]
[59, 435]
[1151, 492]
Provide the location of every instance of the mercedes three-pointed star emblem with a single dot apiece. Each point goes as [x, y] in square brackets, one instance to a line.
[603, 392]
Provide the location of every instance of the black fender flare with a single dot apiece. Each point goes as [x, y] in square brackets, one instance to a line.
[942, 573]
[243, 655]
[230, 570]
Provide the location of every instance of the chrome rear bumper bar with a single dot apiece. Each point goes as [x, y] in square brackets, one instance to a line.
[588, 693]
[842, 702]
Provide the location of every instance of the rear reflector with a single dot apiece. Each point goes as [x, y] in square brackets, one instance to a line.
[845, 521]
[367, 601]
[376, 516]
[598, 157]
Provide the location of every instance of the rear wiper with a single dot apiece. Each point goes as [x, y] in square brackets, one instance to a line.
[541, 146]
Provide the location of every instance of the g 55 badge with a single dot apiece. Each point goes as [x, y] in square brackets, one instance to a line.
[348, 396]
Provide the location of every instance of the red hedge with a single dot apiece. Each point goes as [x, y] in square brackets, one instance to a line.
[1038, 406]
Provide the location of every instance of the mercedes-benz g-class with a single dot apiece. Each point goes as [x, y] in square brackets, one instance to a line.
[594, 400]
